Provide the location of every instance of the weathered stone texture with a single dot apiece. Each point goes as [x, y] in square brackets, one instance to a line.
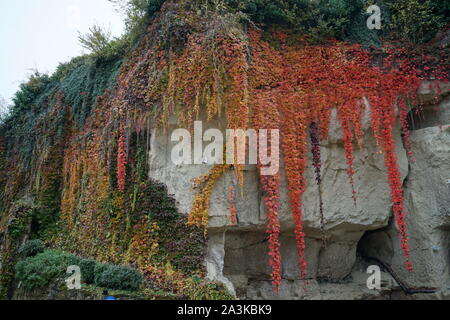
[238, 254]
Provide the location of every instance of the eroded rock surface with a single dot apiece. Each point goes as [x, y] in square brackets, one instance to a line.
[238, 254]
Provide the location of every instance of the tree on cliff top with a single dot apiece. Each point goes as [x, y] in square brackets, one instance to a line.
[3, 108]
[96, 40]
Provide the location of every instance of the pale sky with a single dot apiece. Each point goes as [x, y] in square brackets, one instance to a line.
[39, 34]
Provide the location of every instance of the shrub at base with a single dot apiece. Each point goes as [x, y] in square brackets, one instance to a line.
[39, 271]
[31, 248]
[87, 267]
[119, 278]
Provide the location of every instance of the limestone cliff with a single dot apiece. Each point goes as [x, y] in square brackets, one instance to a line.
[337, 268]
[86, 156]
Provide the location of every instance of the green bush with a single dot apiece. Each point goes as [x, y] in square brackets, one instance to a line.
[87, 267]
[31, 248]
[39, 271]
[118, 278]
[72, 260]
[99, 269]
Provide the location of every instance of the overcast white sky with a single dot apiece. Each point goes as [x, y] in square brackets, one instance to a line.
[39, 34]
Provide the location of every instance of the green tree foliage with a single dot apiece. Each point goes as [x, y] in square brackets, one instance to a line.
[417, 21]
[136, 10]
[3, 108]
[101, 44]
[96, 40]
[317, 18]
[413, 20]
[29, 91]
[137, 15]
[442, 9]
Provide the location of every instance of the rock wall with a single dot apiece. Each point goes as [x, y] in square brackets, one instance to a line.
[427, 198]
[338, 258]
